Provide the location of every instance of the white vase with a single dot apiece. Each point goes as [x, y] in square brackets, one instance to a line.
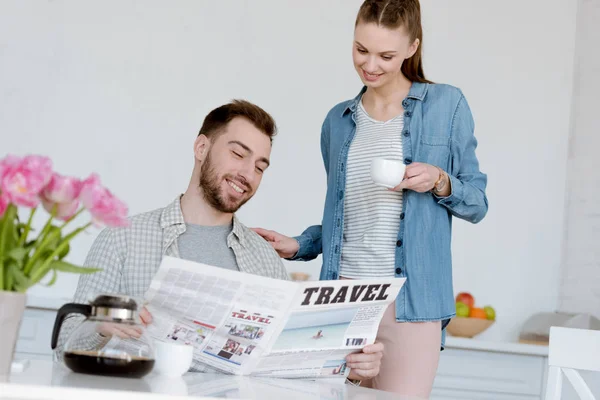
[12, 306]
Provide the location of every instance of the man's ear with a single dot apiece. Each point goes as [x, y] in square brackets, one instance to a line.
[201, 146]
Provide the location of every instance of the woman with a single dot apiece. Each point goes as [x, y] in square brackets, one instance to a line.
[368, 231]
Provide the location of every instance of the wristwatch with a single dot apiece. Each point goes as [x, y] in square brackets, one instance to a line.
[440, 184]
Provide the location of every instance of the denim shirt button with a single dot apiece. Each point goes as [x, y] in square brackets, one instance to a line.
[399, 243]
[341, 194]
[398, 271]
[407, 161]
[334, 276]
[406, 133]
[401, 215]
[405, 103]
[407, 114]
[337, 249]
[339, 222]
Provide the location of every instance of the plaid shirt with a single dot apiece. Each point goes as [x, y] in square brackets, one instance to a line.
[130, 257]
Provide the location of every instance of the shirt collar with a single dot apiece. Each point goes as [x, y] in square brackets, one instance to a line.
[239, 231]
[417, 91]
[173, 216]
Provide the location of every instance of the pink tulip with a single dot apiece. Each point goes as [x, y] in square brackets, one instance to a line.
[64, 211]
[92, 180]
[23, 179]
[102, 204]
[62, 189]
[7, 163]
[62, 192]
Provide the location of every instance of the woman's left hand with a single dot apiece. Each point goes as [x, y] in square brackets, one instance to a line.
[419, 177]
[365, 364]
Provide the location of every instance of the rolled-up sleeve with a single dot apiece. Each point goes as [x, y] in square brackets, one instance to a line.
[467, 200]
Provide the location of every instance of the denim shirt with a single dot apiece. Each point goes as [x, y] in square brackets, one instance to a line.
[438, 130]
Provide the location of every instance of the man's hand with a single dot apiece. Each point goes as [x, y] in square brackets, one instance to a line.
[285, 246]
[125, 331]
[365, 365]
[145, 316]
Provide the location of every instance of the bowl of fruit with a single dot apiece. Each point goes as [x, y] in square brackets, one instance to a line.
[470, 320]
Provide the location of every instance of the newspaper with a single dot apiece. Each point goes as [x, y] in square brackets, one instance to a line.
[245, 324]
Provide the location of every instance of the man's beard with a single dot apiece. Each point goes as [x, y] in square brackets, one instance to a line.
[211, 189]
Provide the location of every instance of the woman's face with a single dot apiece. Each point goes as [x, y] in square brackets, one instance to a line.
[378, 53]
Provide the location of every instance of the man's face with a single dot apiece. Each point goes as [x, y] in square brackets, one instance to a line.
[234, 165]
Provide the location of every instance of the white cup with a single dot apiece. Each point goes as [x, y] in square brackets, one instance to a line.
[172, 359]
[387, 173]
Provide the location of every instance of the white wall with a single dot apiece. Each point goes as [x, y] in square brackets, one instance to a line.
[121, 88]
[580, 289]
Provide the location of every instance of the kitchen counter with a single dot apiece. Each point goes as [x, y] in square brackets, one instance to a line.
[496, 347]
[46, 303]
[45, 380]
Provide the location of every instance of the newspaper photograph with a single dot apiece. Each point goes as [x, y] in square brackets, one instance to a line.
[245, 324]
[327, 321]
[189, 332]
[237, 339]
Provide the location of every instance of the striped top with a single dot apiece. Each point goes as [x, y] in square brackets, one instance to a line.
[371, 212]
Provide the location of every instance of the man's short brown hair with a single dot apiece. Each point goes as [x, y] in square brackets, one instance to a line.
[216, 120]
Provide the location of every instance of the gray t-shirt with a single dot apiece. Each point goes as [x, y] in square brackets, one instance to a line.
[207, 245]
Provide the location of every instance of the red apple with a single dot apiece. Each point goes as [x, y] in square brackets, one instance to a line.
[466, 298]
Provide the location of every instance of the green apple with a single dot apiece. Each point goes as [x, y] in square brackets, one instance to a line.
[462, 310]
[490, 313]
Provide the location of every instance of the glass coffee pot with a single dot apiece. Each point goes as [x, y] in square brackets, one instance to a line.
[110, 341]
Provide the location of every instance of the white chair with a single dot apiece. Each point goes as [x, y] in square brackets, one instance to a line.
[572, 349]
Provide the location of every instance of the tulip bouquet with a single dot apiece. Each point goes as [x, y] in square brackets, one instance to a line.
[26, 255]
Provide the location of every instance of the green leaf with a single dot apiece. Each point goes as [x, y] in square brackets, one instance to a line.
[35, 270]
[8, 279]
[8, 229]
[21, 282]
[53, 280]
[64, 266]
[45, 267]
[7, 226]
[14, 235]
[17, 254]
[53, 239]
[63, 253]
[20, 228]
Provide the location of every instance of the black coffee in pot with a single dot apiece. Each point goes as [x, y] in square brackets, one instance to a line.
[91, 362]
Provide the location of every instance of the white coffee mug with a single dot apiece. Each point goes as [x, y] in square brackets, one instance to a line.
[387, 173]
[172, 359]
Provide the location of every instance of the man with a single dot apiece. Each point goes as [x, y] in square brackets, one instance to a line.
[231, 154]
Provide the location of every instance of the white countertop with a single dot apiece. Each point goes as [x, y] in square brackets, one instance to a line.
[496, 347]
[46, 303]
[44, 380]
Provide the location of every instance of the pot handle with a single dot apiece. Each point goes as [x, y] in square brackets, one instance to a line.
[70, 308]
